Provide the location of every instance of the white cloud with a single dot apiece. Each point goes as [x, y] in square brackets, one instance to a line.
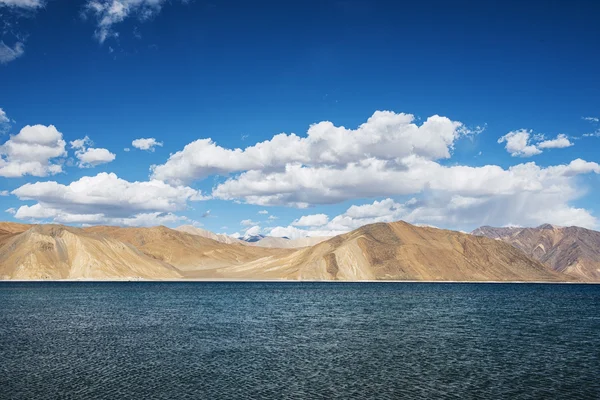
[38, 213]
[247, 222]
[560, 142]
[101, 198]
[33, 151]
[90, 157]
[111, 12]
[519, 143]
[22, 3]
[8, 54]
[147, 144]
[4, 193]
[272, 218]
[301, 186]
[263, 212]
[126, 149]
[10, 210]
[385, 136]
[311, 220]
[591, 119]
[462, 212]
[253, 231]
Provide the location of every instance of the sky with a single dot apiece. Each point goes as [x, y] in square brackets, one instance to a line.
[299, 118]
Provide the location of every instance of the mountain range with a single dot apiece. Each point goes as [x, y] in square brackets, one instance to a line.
[571, 250]
[381, 251]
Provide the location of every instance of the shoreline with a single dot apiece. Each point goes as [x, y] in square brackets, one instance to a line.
[213, 280]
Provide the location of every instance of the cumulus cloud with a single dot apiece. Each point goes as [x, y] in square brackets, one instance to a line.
[386, 136]
[104, 198]
[460, 212]
[311, 220]
[39, 213]
[8, 53]
[560, 142]
[303, 186]
[253, 231]
[33, 151]
[147, 144]
[108, 13]
[88, 156]
[389, 155]
[520, 144]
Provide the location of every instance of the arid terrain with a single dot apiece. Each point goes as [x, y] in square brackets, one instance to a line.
[382, 251]
[571, 250]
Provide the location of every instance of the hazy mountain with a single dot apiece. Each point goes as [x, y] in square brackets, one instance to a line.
[208, 234]
[285, 243]
[571, 250]
[252, 238]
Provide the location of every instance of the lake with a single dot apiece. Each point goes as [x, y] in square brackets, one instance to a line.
[210, 340]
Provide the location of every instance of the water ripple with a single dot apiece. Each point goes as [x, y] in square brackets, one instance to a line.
[298, 341]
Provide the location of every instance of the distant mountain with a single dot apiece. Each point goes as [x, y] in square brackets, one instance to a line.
[571, 250]
[207, 234]
[394, 251]
[286, 243]
[252, 238]
[401, 251]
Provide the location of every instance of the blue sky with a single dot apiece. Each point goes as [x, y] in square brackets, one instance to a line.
[504, 102]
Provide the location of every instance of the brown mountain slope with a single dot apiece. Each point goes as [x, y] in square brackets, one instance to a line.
[189, 253]
[380, 251]
[58, 252]
[400, 251]
[571, 250]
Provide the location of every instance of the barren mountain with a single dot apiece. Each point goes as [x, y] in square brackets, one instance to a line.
[571, 250]
[58, 252]
[374, 252]
[189, 253]
[400, 251]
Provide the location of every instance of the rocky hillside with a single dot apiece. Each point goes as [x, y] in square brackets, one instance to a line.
[59, 252]
[571, 250]
[394, 251]
[400, 251]
[188, 253]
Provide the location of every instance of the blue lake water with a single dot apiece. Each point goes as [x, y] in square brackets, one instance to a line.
[244, 340]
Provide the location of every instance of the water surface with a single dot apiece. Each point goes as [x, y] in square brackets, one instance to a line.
[298, 340]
